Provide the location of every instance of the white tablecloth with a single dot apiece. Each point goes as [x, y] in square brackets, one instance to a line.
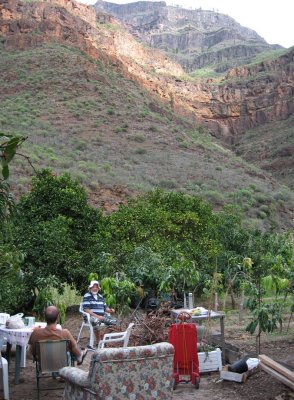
[18, 337]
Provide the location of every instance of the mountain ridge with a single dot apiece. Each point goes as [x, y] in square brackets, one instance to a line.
[195, 38]
[225, 109]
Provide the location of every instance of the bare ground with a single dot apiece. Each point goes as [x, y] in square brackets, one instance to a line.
[259, 386]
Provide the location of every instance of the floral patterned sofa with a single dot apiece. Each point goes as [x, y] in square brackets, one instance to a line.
[133, 373]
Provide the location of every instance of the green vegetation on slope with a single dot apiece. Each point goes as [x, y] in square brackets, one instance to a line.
[83, 117]
[271, 147]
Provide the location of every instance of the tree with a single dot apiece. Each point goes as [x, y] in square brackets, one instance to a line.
[160, 232]
[273, 266]
[8, 147]
[54, 229]
[11, 283]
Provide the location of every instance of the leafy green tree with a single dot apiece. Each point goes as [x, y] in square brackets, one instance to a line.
[273, 266]
[54, 229]
[117, 292]
[234, 242]
[8, 147]
[13, 292]
[159, 232]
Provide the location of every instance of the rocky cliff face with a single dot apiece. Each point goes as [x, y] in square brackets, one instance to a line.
[247, 97]
[254, 95]
[194, 38]
[28, 24]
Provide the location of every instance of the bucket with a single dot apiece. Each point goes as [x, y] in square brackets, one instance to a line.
[239, 366]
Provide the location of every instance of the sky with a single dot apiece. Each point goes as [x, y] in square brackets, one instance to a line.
[272, 20]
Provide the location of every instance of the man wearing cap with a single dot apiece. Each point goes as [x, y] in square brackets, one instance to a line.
[94, 304]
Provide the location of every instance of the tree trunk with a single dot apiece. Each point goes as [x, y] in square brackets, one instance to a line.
[215, 301]
[241, 306]
[258, 341]
[225, 301]
[233, 299]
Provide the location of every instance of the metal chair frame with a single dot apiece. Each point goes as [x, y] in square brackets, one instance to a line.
[50, 357]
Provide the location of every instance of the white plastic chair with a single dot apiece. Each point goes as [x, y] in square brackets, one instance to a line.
[4, 368]
[86, 323]
[116, 337]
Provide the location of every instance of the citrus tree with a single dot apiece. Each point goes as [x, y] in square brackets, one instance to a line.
[54, 229]
[161, 234]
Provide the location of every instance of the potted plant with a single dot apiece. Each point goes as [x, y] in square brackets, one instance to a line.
[210, 358]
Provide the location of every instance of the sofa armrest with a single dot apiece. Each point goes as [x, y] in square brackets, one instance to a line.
[75, 376]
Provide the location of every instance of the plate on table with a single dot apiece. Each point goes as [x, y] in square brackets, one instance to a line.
[197, 311]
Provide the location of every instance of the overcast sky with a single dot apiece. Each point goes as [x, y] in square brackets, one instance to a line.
[273, 20]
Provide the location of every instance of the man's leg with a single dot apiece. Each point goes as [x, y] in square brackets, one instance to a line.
[96, 327]
[79, 354]
[97, 335]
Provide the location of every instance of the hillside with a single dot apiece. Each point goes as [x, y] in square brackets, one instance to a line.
[195, 38]
[226, 106]
[66, 86]
[271, 147]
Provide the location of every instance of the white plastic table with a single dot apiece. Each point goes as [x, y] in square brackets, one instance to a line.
[19, 337]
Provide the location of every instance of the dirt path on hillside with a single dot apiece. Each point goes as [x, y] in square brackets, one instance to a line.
[259, 386]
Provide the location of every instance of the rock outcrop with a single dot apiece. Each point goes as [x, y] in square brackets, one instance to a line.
[247, 97]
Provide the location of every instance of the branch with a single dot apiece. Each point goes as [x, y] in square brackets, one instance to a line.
[28, 160]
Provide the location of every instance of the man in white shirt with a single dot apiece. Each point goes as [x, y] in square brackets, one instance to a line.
[94, 304]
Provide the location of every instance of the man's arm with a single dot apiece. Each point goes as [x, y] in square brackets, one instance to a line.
[32, 343]
[73, 346]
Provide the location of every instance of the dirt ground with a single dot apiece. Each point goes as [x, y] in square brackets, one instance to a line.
[259, 386]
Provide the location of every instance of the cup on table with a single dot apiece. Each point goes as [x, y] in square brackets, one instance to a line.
[30, 321]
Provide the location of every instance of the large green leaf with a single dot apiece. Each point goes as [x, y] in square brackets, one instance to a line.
[8, 149]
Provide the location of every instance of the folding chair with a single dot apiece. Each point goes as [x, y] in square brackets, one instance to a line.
[86, 323]
[116, 337]
[4, 368]
[51, 355]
